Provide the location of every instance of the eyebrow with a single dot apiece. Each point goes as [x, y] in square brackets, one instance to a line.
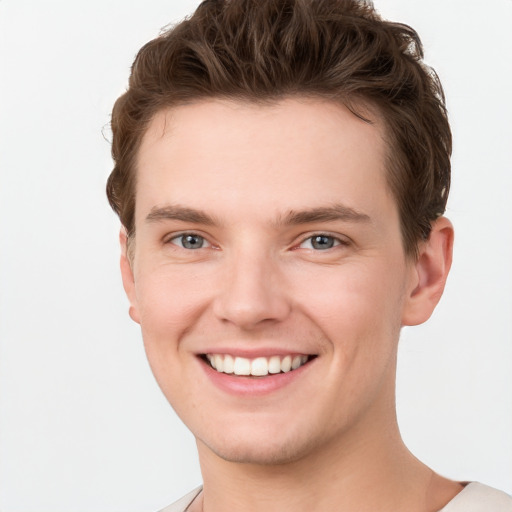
[335, 212]
[176, 212]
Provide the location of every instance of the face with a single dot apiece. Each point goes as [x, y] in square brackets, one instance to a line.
[268, 275]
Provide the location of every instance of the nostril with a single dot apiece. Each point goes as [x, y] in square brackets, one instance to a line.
[248, 296]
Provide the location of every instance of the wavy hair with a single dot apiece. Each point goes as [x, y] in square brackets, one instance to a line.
[266, 50]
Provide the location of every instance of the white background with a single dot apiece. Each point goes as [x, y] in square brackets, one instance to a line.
[83, 426]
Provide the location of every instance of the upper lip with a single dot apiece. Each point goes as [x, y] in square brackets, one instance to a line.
[253, 353]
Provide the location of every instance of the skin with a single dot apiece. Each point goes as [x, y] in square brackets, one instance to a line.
[241, 176]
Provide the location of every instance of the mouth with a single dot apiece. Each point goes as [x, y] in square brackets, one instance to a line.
[256, 367]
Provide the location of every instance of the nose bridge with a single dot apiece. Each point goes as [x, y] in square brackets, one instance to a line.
[252, 290]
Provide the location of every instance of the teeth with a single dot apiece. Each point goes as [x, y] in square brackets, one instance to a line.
[286, 364]
[229, 364]
[274, 364]
[242, 366]
[258, 367]
[296, 362]
[219, 363]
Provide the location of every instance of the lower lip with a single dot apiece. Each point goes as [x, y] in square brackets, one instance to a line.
[253, 386]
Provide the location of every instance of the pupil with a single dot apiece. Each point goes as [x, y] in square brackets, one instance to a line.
[192, 241]
[322, 242]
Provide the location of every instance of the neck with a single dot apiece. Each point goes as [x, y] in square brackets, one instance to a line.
[362, 472]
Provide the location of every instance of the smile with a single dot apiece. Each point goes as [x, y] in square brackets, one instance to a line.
[257, 367]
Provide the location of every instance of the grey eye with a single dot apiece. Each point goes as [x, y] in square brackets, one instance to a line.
[320, 242]
[190, 241]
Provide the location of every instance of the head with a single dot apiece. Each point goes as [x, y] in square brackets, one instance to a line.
[260, 52]
[280, 170]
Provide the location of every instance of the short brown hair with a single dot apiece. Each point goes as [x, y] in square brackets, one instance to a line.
[265, 50]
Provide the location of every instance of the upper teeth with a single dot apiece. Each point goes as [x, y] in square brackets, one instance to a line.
[259, 366]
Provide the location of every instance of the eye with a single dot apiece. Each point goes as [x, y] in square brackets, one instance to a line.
[321, 242]
[190, 241]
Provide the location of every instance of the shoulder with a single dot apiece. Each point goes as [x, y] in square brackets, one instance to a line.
[477, 497]
[182, 504]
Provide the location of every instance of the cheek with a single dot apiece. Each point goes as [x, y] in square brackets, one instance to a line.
[169, 300]
[357, 309]
[169, 303]
[350, 292]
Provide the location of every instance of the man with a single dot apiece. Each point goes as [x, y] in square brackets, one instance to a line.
[281, 173]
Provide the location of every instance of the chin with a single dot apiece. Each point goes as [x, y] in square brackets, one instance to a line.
[259, 450]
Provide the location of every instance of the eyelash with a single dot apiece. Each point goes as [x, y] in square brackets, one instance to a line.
[181, 236]
[336, 241]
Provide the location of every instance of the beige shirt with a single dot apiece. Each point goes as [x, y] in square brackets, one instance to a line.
[474, 497]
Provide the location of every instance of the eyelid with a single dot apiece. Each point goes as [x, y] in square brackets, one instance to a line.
[170, 237]
[339, 239]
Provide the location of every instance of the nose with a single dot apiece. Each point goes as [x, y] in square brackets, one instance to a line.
[252, 292]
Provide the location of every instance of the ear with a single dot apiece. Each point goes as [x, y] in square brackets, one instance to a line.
[429, 273]
[128, 277]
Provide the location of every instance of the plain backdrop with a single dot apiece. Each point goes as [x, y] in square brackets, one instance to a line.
[83, 426]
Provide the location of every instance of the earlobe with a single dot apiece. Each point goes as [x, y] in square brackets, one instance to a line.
[128, 276]
[429, 274]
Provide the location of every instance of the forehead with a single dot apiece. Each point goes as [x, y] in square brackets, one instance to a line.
[273, 155]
